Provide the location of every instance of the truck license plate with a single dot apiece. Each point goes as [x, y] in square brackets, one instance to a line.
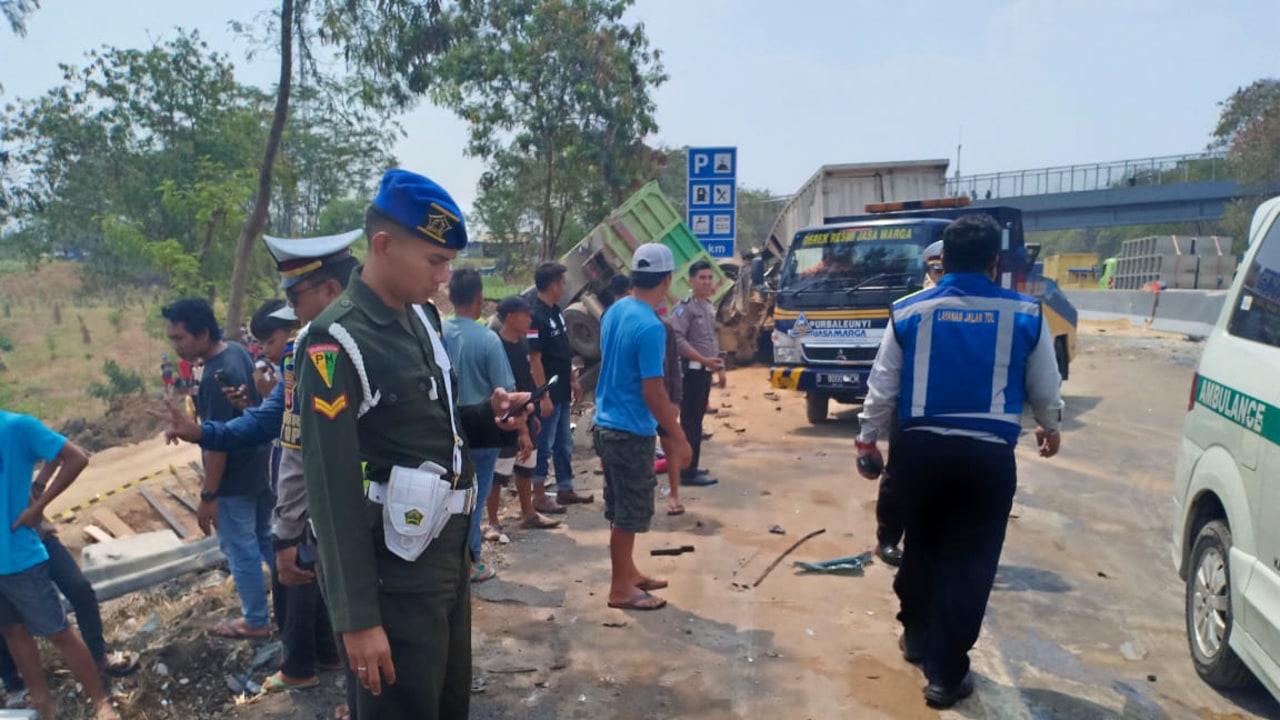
[838, 380]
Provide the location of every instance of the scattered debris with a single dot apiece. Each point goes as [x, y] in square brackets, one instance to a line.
[851, 565]
[809, 632]
[1151, 678]
[1103, 575]
[765, 493]
[178, 528]
[97, 533]
[112, 522]
[614, 623]
[1133, 651]
[772, 396]
[671, 551]
[777, 530]
[478, 685]
[785, 553]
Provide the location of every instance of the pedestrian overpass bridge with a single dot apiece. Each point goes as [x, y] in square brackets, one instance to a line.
[1177, 188]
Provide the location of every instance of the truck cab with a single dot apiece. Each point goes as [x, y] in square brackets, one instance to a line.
[839, 279]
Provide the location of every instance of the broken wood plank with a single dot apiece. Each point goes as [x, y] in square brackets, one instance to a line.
[97, 533]
[178, 527]
[112, 522]
[183, 501]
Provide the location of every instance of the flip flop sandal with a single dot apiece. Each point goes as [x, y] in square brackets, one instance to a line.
[677, 510]
[482, 573]
[642, 601]
[539, 523]
[230, 630]
[649, 584]
[493, 533]
[120, 663]
[275, 684]
[552, 509]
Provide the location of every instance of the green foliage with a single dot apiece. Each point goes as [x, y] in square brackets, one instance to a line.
[118, 382]
[15, 13]
[557, 97]
[1249, 130]
[160, 147]
[51, 344]
[6, 343]
[116, 318]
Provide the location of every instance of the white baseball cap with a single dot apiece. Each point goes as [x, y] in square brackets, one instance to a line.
[933, 252]
[653, 258]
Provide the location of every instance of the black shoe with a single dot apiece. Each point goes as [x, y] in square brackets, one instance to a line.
[912, 647]
[941, 697]
[703, 471]
[698, 481]
[890, 555]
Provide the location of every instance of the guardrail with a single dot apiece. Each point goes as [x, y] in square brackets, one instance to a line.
[1190, 312]
[1166, 170]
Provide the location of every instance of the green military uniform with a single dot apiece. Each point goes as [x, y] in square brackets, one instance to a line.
[424, 605]
[371, 389]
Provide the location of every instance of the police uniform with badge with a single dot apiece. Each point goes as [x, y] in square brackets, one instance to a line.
[694, 323]
[375, 386]
[957, 364]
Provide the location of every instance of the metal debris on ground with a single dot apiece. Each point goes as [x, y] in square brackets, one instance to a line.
[785, 553]
[851, 565]
[614, 623]
[777, 530]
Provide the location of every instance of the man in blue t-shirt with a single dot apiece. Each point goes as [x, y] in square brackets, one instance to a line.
[631, 404]
[29, 602]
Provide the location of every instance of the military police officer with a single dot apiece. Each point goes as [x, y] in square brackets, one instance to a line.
[694, 322]
[375, 386]
[958, 362]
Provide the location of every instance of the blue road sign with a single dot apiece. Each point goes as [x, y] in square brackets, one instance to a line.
[713, 198]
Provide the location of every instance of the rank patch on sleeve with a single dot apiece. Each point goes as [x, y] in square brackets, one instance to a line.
[329, 409]
[325, 358]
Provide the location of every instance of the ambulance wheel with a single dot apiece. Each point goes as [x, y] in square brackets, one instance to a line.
[816, 406]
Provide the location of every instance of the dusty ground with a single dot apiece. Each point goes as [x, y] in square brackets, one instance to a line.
[1086, 569]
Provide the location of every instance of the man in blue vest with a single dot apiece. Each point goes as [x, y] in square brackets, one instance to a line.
[958, 362]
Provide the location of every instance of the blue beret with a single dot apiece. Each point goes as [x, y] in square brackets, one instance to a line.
[423, 208]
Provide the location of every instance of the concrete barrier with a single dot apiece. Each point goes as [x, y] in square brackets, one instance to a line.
[1190, 312]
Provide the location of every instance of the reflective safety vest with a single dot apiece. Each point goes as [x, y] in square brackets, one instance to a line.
[965, 344]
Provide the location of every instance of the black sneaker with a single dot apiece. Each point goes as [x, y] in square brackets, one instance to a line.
[941, 697]
[698, 481]
[890, 555]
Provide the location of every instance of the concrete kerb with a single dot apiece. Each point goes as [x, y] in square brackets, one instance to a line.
[1189, 312]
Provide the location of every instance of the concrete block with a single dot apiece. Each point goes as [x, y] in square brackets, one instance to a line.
[127, 549]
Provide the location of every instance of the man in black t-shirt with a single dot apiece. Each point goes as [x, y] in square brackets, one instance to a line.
[550, 355]
[236, 494]
[514, 313]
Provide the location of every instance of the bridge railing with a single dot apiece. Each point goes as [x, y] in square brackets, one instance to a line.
[1166, 170]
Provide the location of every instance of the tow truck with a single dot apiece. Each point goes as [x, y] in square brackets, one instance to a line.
[839, 279]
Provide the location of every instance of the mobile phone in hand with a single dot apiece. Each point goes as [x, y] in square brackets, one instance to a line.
[306, 557]
[868, 464]
[221, 376]
[533, 399]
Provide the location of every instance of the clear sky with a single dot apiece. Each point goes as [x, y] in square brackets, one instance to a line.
[799, 84]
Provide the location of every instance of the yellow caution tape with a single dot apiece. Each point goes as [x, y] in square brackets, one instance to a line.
[71, 511]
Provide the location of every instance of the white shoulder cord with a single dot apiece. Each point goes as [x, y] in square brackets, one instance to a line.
[348, 343]
[446, 366]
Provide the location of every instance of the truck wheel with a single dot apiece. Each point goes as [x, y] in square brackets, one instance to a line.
[1060, 352]
[1210, 619]
[583, 330]
[816, 406]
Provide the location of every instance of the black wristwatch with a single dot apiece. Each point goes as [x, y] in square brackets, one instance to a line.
[279, 544]
[208, 496]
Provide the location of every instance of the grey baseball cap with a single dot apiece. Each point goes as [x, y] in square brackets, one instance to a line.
[653, 258]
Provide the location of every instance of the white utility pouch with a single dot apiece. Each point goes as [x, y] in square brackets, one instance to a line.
[415, 509]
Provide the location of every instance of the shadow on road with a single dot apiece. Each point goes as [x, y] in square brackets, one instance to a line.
[1077, 406]
[1018, 578]
[841, 424]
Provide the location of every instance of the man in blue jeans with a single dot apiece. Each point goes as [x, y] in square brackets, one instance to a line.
[550, 355]
[236, 494]
[481, 365]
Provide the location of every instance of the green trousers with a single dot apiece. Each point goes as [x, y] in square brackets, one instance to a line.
[430, 636]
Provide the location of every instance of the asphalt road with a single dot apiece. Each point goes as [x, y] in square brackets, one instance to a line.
[1086, 621]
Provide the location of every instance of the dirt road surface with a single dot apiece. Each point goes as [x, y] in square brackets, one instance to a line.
[1085, 570]
[112, 468]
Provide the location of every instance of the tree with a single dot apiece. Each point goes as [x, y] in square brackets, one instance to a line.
[557, 97]
[15, 13]
[262, 202]
[1249, 131]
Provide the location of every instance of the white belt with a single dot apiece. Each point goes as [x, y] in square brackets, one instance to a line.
[461, 502]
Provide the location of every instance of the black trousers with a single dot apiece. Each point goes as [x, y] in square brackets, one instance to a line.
[891, 501]
[305, 631]
[960, 491]
[693, 408]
